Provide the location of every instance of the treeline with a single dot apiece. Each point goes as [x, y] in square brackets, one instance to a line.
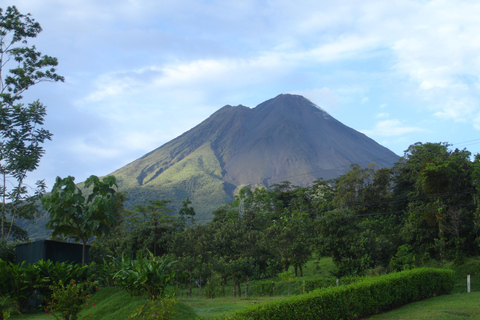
[424, 208]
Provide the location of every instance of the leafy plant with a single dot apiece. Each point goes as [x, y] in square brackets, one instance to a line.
[68, 300]
[7, 251]
[149, 276]
[7, 306]
[47, 274]
[104, 272]
[16, 280]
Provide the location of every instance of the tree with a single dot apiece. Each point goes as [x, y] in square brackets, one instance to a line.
[78, 216]
[148, 223]
[187, 212]
[21, 132]
[437, 189]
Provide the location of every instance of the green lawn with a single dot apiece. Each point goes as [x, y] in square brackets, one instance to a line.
[219, 307]
[448, 307]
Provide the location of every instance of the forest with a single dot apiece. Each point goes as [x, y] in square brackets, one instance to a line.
[424, 209]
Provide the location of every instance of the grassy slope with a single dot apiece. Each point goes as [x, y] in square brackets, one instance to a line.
[112, 304]
[199, 175]
[449, 307]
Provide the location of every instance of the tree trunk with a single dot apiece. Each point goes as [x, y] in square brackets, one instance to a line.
[155, 239]
[3, 205]
[223, 282]
[246, 285]
[234, 286]
[176, 287]
[191, 281]
[83, 252]
[239, 289]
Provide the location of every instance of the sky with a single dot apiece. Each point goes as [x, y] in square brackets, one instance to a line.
[139, 73]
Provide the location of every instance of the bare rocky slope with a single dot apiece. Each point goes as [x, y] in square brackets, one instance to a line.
[284, 138]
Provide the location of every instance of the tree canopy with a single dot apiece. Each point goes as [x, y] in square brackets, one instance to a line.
[82, 216]
[21, 133]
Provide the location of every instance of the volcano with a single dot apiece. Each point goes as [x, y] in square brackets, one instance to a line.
[287, 138]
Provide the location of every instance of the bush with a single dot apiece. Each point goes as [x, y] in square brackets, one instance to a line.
[15, 280]
[360, 299]
[7, 251]
[68, 300]
[148, 276]
[47, 274]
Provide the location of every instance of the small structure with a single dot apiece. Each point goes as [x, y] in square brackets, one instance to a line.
[50, 250]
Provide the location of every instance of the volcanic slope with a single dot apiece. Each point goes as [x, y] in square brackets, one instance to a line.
[287, 138]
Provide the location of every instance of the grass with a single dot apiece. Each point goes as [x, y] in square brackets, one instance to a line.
[112, 304]
[448, 307]
[221, 307]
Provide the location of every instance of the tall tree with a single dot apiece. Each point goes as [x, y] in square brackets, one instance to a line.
[79, 216]
[147, 223]
[21, 132]
[436, 188]
[187, 212]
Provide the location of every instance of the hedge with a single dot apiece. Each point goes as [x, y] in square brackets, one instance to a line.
[360, 299]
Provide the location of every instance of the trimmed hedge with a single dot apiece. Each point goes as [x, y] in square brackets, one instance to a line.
[360, 299]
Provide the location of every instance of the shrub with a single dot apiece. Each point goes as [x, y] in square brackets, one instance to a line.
[7, 306]
[16, 281]
[149, 276]
[104, 272]
[7, 251]
[67, 301]
[359, 299]
[47, 274]
[404, 259]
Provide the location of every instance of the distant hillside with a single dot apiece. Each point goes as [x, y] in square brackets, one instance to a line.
[284, 138]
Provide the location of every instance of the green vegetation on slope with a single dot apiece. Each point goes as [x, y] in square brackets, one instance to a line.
[197, 176]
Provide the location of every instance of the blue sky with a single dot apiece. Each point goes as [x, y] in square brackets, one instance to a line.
[140, 73]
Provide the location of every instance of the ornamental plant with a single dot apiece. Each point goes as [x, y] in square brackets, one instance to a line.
[68, 300]
[48, 274]
[150, 276]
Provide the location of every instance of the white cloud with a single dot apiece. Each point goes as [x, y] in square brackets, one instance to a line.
[391, 128]
[382, 115]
